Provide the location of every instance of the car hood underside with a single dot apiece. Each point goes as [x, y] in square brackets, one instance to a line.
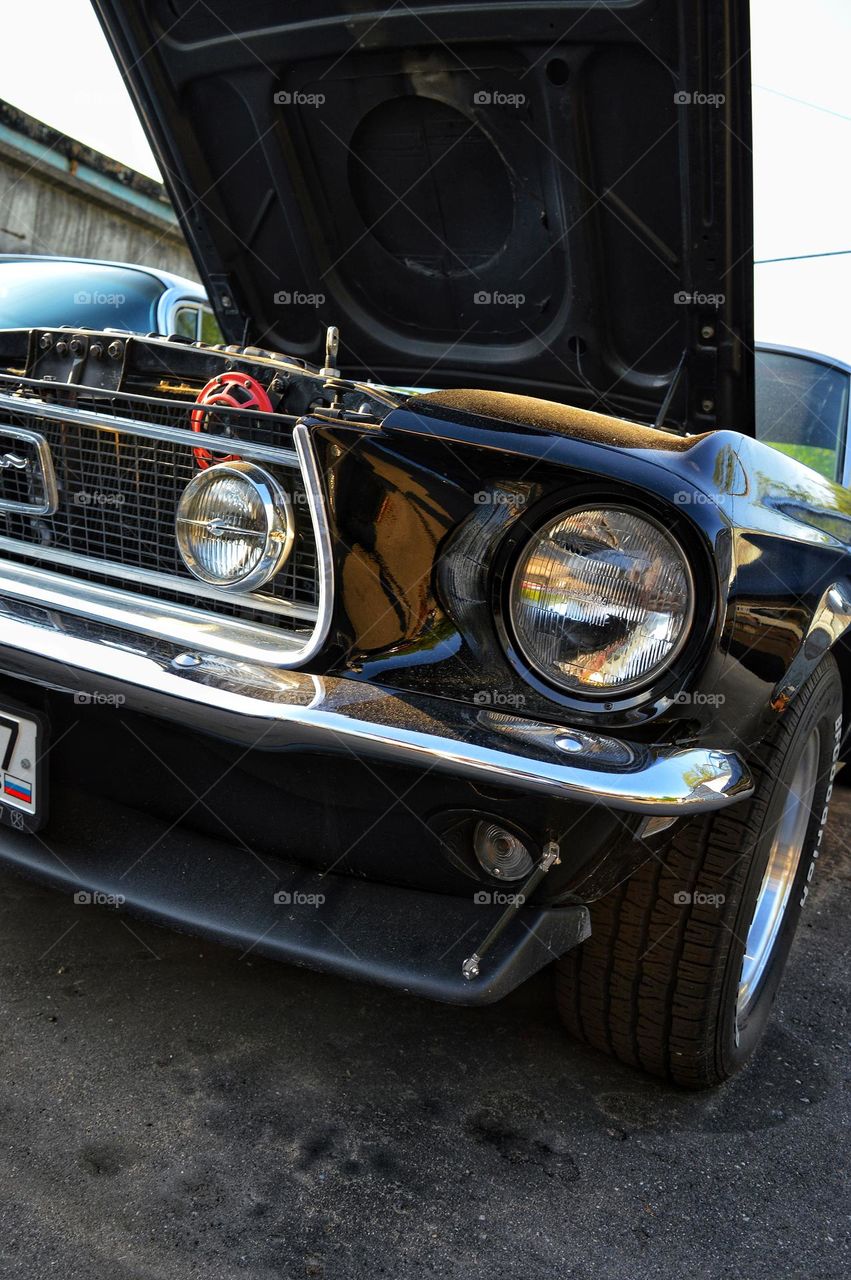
[552, 198]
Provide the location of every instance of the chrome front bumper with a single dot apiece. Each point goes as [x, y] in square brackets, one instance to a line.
[268, 708]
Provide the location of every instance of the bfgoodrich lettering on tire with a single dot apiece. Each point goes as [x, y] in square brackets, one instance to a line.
[685, 958]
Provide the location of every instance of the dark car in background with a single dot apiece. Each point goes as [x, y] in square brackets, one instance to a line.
[803, 407]
[87, 293]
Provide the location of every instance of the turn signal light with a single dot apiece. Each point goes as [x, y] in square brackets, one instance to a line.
[501, 853]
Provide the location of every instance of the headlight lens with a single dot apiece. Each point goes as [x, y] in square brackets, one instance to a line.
[601, 600]
[234, 526]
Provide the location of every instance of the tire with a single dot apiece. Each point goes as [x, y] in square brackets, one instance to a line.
[657, 984]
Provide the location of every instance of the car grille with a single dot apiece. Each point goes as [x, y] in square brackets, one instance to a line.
[118, 495]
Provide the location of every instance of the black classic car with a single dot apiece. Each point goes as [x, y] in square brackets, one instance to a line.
[435, 689]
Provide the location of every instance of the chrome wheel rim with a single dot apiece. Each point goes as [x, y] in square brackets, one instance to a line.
[781, 869]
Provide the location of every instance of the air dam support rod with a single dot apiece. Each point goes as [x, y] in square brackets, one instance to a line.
[551, 856]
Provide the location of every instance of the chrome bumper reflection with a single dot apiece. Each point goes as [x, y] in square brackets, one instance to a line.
[270, 708]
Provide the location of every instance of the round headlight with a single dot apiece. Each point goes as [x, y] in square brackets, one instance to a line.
[234, 526]
[601, 601]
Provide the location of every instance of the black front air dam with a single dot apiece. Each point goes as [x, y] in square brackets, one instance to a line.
[361, 929]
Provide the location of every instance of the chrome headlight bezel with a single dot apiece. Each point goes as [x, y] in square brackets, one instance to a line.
[277, 516]
[650, 685]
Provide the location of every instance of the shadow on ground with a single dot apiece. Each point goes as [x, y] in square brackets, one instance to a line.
[170, 1110]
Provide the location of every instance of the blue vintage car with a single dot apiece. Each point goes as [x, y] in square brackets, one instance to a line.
[86, 293]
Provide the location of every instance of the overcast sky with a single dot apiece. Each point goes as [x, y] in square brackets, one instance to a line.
[56, 66]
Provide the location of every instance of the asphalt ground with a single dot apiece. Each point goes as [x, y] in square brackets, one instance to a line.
[169, 1109]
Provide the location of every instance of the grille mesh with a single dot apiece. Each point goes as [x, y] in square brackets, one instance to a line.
[118, 495]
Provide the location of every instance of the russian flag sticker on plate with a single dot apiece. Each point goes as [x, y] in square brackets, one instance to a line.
[22, 792]
[18, 789]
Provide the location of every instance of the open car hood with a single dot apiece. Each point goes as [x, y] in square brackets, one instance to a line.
[552, 198]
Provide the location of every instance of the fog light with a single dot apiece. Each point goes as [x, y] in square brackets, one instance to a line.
[234, 526]
[501, 853]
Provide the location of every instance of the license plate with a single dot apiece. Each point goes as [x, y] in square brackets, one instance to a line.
[22, 790]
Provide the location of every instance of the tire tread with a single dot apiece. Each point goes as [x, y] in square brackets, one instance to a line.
[647, 985]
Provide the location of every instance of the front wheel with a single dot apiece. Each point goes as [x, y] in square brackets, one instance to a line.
[685, 957]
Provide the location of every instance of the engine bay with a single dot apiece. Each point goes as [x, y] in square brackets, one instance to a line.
[230, 377]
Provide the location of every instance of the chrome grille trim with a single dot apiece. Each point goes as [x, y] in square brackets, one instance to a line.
[44, 460]
[324, 556]
[130, 573]
[185, 624]
[150, 430]
[194, 629]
